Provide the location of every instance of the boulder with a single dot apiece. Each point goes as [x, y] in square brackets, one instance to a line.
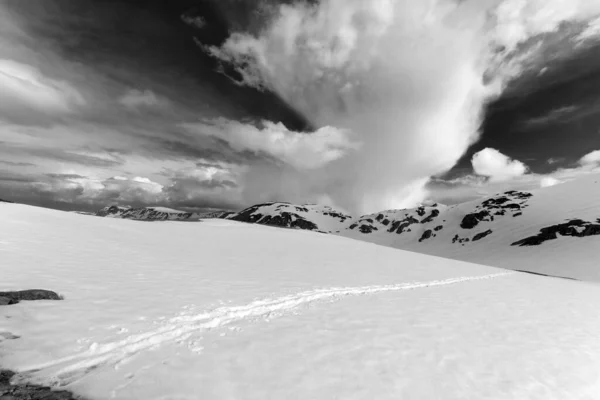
[32, 294]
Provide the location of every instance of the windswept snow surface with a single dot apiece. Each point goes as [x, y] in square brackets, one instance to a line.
[227, 310]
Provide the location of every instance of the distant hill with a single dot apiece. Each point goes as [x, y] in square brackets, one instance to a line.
[307, 217]
[156, 214]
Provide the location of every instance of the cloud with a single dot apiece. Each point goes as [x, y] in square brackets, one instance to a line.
[471, 187]
[549, 181]
[23, 88]
[413, 92]
[300, 150]
[135, 99]
[592, 158]
[495, 165]
[195, 21]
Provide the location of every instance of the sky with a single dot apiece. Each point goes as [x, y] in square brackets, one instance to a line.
[361, 105]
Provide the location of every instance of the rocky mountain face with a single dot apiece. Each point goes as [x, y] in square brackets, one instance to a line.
[554, 230]
[284, 215]
[156, 214]
[427, 223]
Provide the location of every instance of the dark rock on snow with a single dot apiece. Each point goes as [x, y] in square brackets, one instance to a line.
[426, 235]
[470, 221]
[400, 226]
[574, 228]
[434, 213]
[481, 235]
[29, 392]
[33, 294]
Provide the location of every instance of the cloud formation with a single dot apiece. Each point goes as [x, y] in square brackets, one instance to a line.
[592, 158]
[408, 79]
[24, 88]
[495, 165]
[300, 150]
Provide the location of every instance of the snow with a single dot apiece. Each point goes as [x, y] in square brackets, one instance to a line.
[565, 256]
[227, 310]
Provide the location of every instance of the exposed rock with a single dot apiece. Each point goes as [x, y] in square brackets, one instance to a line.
[490, 203]
[367, 229]
[470, 221]
[33, 294]
[434, 213]
[400, 226]
[5, 301]
[284, 220]
[438, 228]
[517, 214]
[421, 211]
[574, 228]
[29, 392]
[426, 235]
[481, 235]
[386, 222]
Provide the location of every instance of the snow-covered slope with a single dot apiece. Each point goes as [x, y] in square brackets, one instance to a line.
[226, 310]
[554, 230]
[306, 217]
[156, 214]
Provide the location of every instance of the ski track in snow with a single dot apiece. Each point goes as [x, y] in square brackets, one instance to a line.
[70, 369]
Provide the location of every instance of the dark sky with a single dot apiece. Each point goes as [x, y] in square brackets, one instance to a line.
[119, 101]
[555, 116]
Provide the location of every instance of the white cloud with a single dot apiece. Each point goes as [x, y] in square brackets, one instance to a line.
[24, 87]
[410, 78]
[301, 150]
[495, 165]
[135, 99]
[548, 181]
[592, 158]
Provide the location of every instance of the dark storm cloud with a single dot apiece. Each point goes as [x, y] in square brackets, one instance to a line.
[114, 81]
[16, 164]
[66, 176]
[553, 115]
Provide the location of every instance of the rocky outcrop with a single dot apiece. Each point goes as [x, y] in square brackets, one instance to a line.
[400, 226]
[426, 235]
[32, 294]
[481, 235]
[573, 228]
[470, 221]
[283, 219]
[430, 218]
[29, 392]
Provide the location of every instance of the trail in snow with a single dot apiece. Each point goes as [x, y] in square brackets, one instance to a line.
[69, 369]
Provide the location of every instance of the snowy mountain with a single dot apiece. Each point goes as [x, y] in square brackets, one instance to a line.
[156, 214]
[227, 310]
[553, 230]
[310, 217]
